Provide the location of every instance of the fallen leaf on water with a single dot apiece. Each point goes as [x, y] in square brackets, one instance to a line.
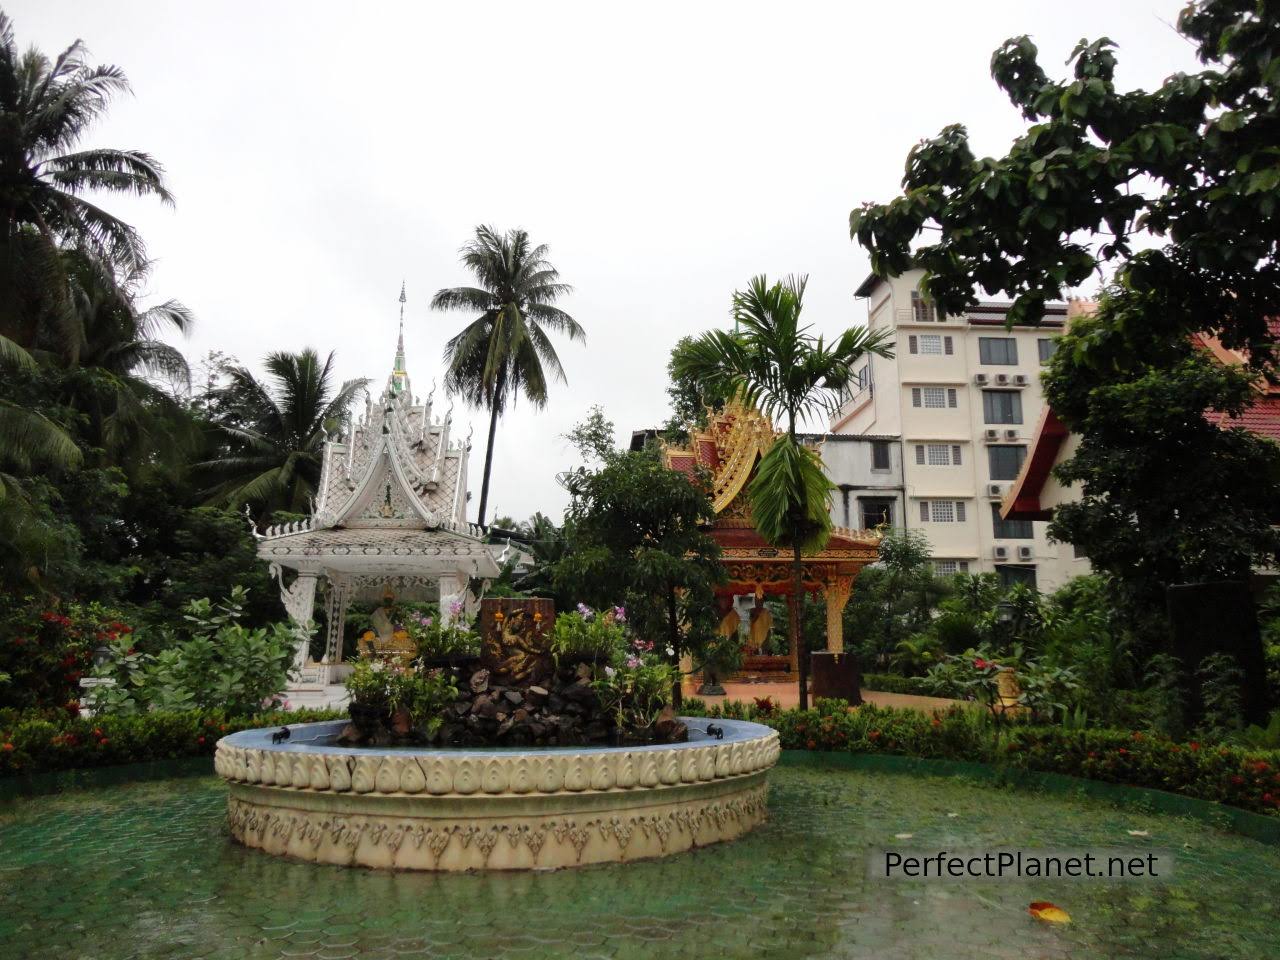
[953, 814]
[1048, 912]
[903, 836]
[1139, 833]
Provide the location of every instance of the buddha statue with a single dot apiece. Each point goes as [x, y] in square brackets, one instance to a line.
[386, 640]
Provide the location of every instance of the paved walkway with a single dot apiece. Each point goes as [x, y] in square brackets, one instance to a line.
[788, 695]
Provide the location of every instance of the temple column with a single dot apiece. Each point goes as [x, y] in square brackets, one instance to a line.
[336, 605]
[837, 592]
[452, 590]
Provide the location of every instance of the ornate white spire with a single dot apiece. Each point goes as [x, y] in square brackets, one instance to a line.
[399, 376]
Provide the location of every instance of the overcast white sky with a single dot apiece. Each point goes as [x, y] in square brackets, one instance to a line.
[666, 152]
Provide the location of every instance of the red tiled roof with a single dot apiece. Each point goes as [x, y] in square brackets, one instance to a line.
[1262, 418]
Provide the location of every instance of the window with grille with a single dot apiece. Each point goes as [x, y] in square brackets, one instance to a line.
[942, 511]
[934, 397]
[931, 344]
[1001, 406]
[949, 568]
[938, 454]
[998, 350]
[1046, 346]
[1005, 461]
[1009, 529]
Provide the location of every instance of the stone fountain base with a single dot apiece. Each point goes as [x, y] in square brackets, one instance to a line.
[510, 809]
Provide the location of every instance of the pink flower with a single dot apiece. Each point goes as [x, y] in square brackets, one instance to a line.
[620, 614]
[633, 662]
[455, 608]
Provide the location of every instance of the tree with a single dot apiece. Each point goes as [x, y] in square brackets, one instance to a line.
[1192, 165]
[895, 598]
[634, 533]
[275, 433]
[774, 363]
[505, 351]
[45, 108]
[689, 396]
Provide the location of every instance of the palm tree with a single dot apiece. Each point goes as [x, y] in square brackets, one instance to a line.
[505, 350]
[126, 381]
[775, 364]
[275, 434]
[45, 108]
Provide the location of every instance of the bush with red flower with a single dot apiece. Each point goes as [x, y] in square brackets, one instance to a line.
[45, 650]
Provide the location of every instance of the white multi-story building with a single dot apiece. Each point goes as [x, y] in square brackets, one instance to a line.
[963, 395]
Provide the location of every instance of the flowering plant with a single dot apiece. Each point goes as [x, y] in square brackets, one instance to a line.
[436, 639]
[587, 634]
[636, 694]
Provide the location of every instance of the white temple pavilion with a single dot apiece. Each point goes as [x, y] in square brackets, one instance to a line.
[390, 517]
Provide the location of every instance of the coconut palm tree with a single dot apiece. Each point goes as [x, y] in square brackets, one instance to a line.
[46, 106]
[275, 432]
[776, 364]
[505, 350]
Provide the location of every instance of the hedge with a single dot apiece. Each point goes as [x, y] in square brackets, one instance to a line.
[1241, 778]
[31, 744]
[894, 683]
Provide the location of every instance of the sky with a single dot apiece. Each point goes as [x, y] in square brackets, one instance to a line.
[322, 153]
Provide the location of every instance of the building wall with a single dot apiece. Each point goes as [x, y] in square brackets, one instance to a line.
[850, 463]
[930, 400]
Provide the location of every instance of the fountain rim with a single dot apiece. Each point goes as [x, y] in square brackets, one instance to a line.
[319, 736]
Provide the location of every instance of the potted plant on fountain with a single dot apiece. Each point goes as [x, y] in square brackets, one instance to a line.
[369, 689]
[637, 697]
[589, 636]
[453, 645]
[417, 698]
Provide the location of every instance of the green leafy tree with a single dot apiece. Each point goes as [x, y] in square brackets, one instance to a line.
[775, 363]
[690, 397]
[895, 599]
[634, 534]
[1192, 165]
[506, 350]
[275, 433]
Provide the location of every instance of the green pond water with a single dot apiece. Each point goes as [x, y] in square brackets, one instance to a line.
[147, 870]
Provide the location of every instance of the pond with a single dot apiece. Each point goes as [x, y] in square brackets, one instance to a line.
[147, 870]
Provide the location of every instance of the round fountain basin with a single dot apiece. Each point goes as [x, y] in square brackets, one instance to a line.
[515, 808]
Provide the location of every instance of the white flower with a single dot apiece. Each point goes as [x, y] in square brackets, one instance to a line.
[609, 671]
[671, 651]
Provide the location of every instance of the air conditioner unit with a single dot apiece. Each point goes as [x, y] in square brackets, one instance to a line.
[1021, 379]
[991, 436]
[1011, 434]
[1000, 553]
[1025, 553]
[979, 379]
[995, 491]
[1002, 378]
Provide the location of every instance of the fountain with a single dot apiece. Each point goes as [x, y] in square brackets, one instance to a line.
[509, 806]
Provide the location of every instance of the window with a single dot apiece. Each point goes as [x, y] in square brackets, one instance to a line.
[1046, 346]
[1009, 529]
[998, 350]
[942, 511]
[934, 397]
[931, 344]
[921, 309]
[938, 454]
[1010, 575]
[1077, 552]
[880, 455]
[875, 512]
[1005, 461]
[1001, 406]
[949, 568]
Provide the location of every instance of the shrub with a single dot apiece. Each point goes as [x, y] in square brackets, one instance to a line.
[44, 652]
[222, 665]
[636, 694]
[31, 743]
[893, 683]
